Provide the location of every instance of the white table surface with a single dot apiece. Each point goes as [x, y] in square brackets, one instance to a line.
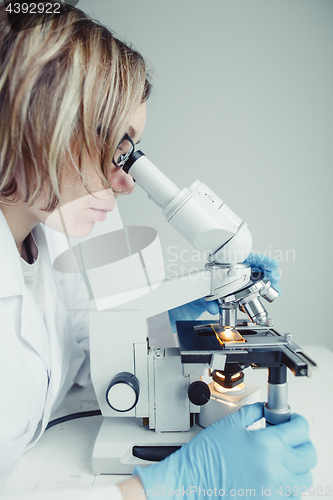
[62, 457]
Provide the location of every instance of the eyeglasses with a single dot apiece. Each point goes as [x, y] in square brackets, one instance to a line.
[124, 149]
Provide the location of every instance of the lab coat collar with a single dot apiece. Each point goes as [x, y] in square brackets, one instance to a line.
[34, 329]
[11, 278]
[39, 235]
[48, 335]
[55, 318]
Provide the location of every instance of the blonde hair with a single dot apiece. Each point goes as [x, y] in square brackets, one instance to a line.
[60, 81]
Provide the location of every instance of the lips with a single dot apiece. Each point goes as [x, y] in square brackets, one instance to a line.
[100, 215]
[101, 203]
[103, 209]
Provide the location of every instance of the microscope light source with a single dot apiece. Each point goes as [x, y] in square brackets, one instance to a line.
[228, 380]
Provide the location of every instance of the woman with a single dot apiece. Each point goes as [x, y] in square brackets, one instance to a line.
[69, 92]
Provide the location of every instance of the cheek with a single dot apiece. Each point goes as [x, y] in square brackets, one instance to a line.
[72, 218]
[73, 227]
[72, 186]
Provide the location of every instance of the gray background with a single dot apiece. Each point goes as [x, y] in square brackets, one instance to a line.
[243, 101]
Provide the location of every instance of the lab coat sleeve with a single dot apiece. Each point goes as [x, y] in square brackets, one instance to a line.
[75, 297]
[11, 452]
[81, 330]
[111, 492]
[18, 420]
[76, 300]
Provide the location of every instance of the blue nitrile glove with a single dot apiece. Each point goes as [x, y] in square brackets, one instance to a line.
[225, 456]
[269, 266]
[194, 309]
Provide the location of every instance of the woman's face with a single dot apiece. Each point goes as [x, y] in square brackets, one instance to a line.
[78, 212]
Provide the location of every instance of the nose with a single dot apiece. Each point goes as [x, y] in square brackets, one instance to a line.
[121, 181]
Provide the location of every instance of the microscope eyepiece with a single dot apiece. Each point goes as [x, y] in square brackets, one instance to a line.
[132, 159]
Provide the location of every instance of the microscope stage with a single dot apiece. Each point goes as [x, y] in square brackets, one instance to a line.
[263, 347]
[193, 338]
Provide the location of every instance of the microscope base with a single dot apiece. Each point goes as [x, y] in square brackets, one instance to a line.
[113, 450]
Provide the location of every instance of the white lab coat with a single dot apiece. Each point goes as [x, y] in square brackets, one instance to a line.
[39, 359]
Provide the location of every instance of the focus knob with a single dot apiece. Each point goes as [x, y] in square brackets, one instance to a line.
[123, 392]
[198, 393]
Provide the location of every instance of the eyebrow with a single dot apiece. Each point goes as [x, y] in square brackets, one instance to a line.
[132, 133]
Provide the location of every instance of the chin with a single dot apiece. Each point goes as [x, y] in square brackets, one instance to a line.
[81, 230]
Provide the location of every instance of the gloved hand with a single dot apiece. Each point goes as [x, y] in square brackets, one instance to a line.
[226, 456]
[193, 310]
[269, 266]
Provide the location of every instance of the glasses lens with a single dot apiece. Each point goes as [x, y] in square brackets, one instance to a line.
[124, 150]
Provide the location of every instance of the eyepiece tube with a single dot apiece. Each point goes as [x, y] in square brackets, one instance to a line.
[151, 179]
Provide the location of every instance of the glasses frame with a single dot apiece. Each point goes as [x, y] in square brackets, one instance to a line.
[126, 137]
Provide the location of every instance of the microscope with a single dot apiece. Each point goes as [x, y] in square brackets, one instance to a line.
[155, 399]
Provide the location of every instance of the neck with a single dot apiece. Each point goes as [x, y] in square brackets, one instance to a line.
[21, 222]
